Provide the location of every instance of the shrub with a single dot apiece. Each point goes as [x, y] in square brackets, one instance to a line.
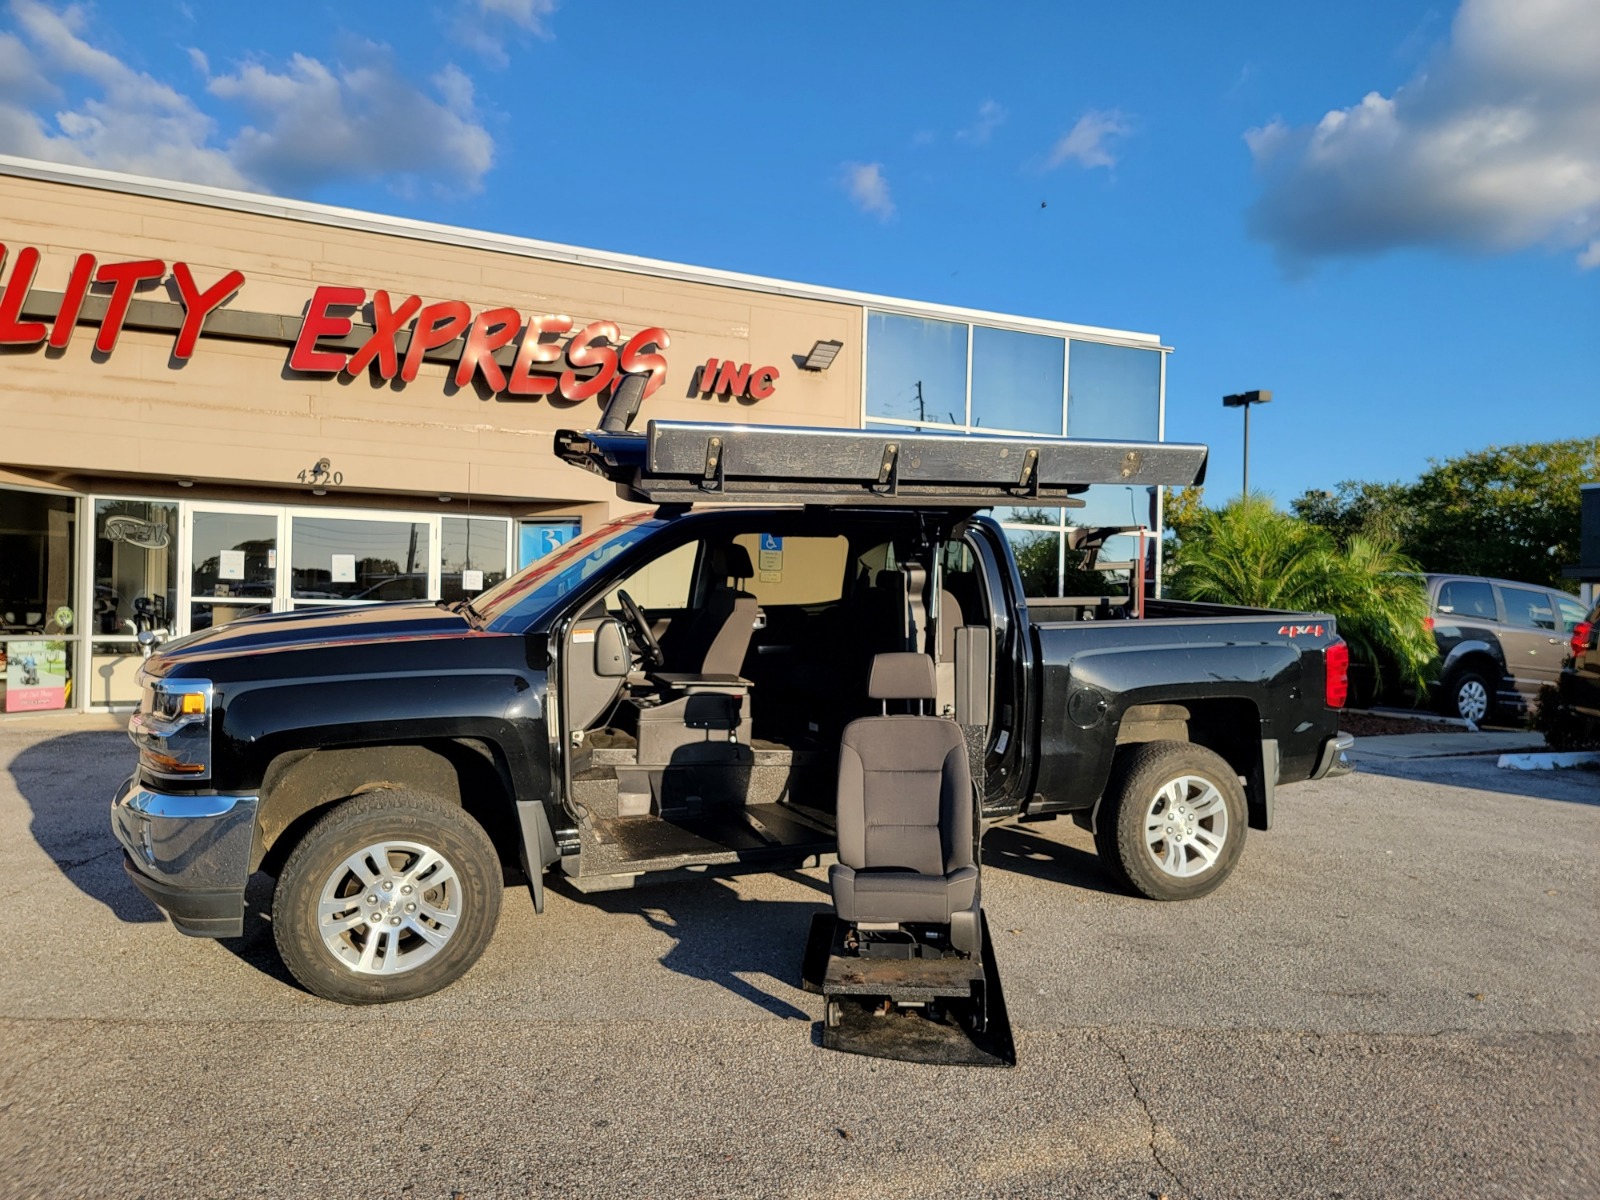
[1563, 728]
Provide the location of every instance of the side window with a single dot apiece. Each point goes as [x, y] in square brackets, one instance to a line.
[1467, 599]
[960, 572]
[795, 570]
[1531, 610]
[661, 584]
[1572, 614]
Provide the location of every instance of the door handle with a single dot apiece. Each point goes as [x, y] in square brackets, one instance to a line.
[1555, 641]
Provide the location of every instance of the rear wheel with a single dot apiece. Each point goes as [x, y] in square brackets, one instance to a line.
[1172, 823]
[391, 896]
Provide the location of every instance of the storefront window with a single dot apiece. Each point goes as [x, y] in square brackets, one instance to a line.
[1016, 381]
[37, 580]
[235, 566]
[916, 369]
[135, 590]
[1111, 504]
[342, 558]
[473, 555]
[1114, 392]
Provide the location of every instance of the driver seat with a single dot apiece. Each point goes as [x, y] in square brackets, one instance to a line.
[718, 638]
[905, 815]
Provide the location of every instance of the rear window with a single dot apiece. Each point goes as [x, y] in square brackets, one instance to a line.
[1465, 598]
[1531, 610]
[795, 570]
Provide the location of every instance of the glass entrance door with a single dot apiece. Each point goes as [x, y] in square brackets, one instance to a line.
[233, 563]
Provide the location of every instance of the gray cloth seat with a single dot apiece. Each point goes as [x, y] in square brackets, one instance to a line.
[905, 814]
[716, 641]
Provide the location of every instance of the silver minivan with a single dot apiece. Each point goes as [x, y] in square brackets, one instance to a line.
[1499, 641]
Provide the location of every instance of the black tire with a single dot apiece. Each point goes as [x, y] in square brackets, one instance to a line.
[1138, 777]
[456, 904]
[1469, 695]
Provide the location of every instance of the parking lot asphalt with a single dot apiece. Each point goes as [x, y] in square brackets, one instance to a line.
[1398, 993]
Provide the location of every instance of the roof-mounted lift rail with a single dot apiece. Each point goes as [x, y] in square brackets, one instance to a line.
[682, 462]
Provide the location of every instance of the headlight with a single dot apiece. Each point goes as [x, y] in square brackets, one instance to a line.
[173, 728]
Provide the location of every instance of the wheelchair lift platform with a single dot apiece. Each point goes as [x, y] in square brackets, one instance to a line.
[946, 1010]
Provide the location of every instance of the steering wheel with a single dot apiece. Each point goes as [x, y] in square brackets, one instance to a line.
[639, 627]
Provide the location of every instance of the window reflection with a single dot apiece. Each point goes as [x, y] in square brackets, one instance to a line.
[1113, 392]
[472, 555]
[916, 369]
[340, 558]
[1016, 380]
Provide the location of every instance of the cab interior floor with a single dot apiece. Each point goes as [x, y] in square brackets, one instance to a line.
[777, 821]
[728, 834]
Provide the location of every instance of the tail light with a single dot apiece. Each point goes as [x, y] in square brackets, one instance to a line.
[1336, 658]
[1427, 623]
[1580, 637]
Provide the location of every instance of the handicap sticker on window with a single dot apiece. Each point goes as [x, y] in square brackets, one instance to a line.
[771, 556]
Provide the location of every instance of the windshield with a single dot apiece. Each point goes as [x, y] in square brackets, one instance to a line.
[540, 584]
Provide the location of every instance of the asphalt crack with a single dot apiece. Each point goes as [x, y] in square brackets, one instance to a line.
[421, 1096]
[1144, 1105]
[73, 864]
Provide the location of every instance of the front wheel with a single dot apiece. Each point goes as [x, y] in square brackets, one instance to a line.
[1172, 823]
[1469, 697]
[390, 896]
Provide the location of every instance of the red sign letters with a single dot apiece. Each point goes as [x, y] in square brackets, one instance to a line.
[552, 359]
[124, 278]
[543, 366]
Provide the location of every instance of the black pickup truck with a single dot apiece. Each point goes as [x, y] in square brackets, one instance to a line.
[664, 698]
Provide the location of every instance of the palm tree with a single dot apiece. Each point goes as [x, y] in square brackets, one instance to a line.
[1250, 553]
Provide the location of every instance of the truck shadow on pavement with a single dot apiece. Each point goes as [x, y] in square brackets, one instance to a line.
[68, 783]
[720, 936]
[1018, 849]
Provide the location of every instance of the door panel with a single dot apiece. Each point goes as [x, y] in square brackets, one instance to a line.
[1531, 636]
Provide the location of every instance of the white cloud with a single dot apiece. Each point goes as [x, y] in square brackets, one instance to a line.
[1495, 147]
[869, 189]
[311, 123]
[991, 115]
[315, 124]
[1086, 143]
[481, 25]
[132, 122]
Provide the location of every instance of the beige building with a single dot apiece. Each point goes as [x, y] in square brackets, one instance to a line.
[218, 404]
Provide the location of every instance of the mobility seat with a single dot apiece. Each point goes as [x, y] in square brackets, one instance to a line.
[905, 816]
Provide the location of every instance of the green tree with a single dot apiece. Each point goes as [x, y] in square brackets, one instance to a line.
[1382, 510]
[1250, 553]
[1506, 511]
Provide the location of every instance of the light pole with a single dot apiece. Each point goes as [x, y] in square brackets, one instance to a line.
[1244, 400]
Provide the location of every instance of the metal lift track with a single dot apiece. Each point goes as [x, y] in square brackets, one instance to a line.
[685, 462]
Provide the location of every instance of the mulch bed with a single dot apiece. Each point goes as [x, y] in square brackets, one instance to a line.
[1365, 724]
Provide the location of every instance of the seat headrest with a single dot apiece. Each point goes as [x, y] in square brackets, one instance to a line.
[902, 676]
[732, 559]
[893, 581]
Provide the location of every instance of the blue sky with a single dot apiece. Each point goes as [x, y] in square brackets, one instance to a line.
[1387, 213]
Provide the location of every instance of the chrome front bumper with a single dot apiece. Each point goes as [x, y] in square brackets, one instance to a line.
[189, 855]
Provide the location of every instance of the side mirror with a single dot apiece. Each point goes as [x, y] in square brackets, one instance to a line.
[611, 657]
